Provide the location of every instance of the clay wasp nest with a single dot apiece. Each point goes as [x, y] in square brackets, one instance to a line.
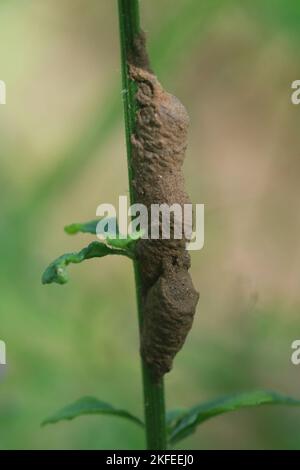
[159, 144]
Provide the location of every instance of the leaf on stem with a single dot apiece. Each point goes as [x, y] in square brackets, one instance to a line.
[87, 227]
[172, 417]
[90, 227]
[187, 423]
[57, 272]
[90, 406]
[125, 243]
[112, 238]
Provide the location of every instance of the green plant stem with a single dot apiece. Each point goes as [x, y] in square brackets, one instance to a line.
[154, 402]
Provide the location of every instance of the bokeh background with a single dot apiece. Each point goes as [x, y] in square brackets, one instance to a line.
[62, 153]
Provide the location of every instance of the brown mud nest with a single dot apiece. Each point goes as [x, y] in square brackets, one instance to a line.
[159, 143]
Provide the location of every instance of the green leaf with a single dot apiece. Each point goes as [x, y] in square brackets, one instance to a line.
[172, 416]
[188, 422]
[125, 243]
[57, 272]
[112, 239]
[90, 406]
[88, 227]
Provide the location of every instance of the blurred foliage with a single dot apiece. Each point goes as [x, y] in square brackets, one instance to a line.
[62, 153]
[90, 406]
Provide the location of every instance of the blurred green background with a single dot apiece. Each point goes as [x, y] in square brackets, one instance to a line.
[62, 153]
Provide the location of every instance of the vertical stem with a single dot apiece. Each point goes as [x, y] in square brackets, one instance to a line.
[154, 402]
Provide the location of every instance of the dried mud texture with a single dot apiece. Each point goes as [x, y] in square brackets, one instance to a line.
[159, 145]
[138, 56]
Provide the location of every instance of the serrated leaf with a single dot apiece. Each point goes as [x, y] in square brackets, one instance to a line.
[187, 424]
[88, 227]
[90, 406]
[57, 272]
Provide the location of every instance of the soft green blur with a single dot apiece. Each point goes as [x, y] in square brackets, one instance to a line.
[62, 151]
